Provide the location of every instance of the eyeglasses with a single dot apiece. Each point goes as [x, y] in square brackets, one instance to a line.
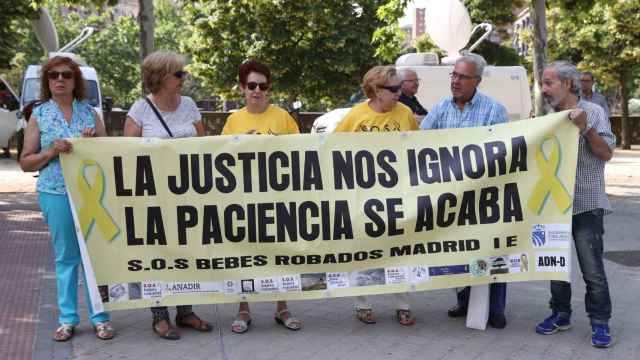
[455, 75]
[54, 75]
[253, 85]
[181, 74]
[393, 89]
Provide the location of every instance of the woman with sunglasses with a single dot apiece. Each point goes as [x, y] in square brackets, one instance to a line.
[259, 117]
[166, 114]
[382, 112]
[63, 114]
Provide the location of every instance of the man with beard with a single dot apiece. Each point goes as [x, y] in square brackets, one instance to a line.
[468, 107]
[561, 90]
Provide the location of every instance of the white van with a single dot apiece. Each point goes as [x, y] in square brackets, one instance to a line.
[9, 106]
[506, 84]
[31, 86]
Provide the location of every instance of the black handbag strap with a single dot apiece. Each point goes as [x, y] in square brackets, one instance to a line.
[155, 110]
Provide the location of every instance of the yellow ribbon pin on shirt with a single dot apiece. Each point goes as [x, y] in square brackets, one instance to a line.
[93, 211]
[549, 183]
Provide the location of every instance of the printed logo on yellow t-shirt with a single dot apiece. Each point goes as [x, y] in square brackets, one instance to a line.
[389, 126]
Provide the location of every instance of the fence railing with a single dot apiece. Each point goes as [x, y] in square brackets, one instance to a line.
[214, 121]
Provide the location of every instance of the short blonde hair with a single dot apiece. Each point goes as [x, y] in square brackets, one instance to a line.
[157, 66]
[376, 76]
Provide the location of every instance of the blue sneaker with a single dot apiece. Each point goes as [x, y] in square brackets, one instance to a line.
[553, 324]
[600, 336]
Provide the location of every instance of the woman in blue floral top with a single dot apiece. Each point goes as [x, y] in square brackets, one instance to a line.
[62, 115]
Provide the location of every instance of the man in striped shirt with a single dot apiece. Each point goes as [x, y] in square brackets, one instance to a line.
[561, 90]
[468, 107]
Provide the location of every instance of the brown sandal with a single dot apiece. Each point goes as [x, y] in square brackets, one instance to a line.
[104, 330]
[405, 318]
[196, 323]
[366, 316]
[63, 333]
[169, 334]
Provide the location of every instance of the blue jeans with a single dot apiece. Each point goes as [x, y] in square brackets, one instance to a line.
[57, 213]
[497, 298]
[587, 231]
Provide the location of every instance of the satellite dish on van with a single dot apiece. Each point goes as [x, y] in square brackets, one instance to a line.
[45, 31]
[449, 25]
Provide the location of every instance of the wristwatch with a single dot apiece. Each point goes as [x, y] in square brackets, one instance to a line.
[586, 129]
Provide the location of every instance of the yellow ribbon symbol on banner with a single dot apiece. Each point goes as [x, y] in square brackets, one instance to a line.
[549, 183]
[93, 211]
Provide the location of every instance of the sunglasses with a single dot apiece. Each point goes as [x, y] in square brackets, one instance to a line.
[181, 74]
[393, 89]
[54, 75]
[253, 85]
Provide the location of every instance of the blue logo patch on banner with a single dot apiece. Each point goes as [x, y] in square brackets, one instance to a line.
[448, 270]
[538, 235]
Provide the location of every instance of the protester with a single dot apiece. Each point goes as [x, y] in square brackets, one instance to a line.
[561, 90]
[259, 117]
[62, 115]
[381, 112]
[588, 94]
[166, 114]
[468, 107]
[409, 89]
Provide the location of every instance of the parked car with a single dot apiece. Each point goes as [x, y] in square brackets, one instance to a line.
[9, 106]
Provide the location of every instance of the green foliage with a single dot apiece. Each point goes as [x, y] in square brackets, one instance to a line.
[13, 17]
[113, 49]
[497, 12]
[388, 38]
[603, 38]
[316, 50]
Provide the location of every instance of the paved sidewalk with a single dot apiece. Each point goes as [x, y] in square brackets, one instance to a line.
[330, 328]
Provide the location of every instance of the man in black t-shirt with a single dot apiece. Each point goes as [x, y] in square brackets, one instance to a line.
[410, 83]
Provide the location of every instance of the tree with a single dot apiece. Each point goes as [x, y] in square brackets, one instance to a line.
[146, 21]
[113, 50]
[539, 20]
[316, 50]
[14, 15]
[602, 37]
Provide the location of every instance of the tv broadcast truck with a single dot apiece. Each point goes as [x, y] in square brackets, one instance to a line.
[448, 24]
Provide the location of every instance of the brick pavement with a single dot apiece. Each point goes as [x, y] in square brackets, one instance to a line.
[24, 248]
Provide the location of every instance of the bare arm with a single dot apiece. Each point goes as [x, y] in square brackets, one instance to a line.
[200, 130]
[598, 146]
[100, 128]
[32, 159]
[131, 129]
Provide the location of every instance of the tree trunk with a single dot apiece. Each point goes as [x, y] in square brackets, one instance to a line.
[146, 21]
[625, 78]
[539, 21]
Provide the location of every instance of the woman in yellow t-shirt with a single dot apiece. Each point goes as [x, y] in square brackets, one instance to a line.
[382, 112]
[259, 117]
